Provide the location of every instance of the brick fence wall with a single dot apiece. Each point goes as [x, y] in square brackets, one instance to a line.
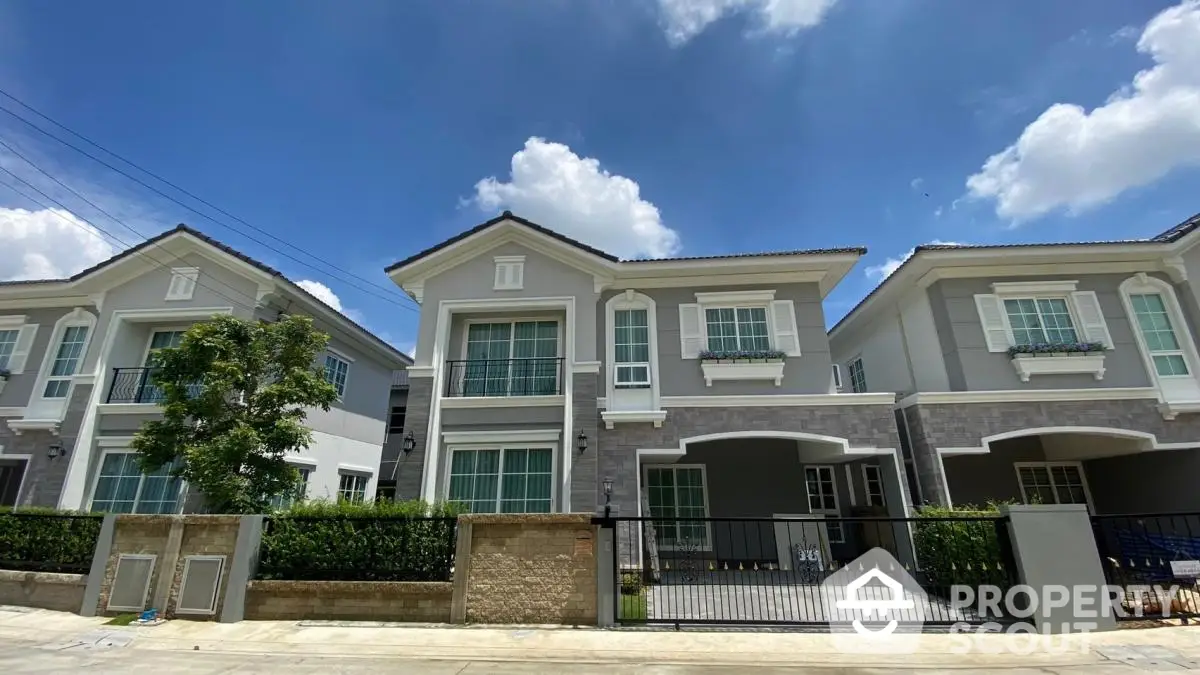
[530, 569]
[135, 534]
[349, 600]
[205, 535]
[59, 592]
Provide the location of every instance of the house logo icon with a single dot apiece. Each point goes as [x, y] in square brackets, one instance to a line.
[869, 599]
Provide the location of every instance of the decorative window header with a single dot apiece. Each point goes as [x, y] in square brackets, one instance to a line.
[1009, 288]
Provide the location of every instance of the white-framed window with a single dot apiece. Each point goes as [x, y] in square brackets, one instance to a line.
[873, 485]
[337, 370]
[285, 501]
[121, 487]
[738, 321]
[67, 357]
[822, 498]
[510, 273]
[677, 493]
[837, 377]
[511, 358]
[1040, 320]
[8, 343]
[502, 480]
[631, 334]
[1154, 323]
[858, 376]
[352, 487]
[1040, 312]
[1052, 483]
[183, 283]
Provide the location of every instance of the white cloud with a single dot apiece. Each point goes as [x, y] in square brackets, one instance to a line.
[47, 244]
[321, 292]
[916, 183]
[553, 186]
[878, 273]
[1074, 159]
[685, 19]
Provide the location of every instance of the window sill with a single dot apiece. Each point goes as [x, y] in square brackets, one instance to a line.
[613, 417]
[502, 401]
[1028, 365]
[742, 371]
[22, 425]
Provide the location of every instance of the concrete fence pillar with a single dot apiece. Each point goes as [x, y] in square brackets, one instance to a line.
[242, 568]
[1055, 551]
[95, 579]
[606, 573]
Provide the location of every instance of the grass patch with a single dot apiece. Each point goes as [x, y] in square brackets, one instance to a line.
[121, 620]
[633, 607]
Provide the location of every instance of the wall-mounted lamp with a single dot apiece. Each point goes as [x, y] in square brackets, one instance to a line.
[581, 442]
[55, 450]
[409, 443]
[608, 487]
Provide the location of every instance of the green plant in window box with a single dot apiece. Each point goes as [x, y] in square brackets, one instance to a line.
[1054, 349]
[743, 356]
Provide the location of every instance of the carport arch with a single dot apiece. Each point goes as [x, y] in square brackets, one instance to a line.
[1150, 440]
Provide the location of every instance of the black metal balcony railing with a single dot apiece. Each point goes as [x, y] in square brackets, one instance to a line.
[504, 377]
[136, 385]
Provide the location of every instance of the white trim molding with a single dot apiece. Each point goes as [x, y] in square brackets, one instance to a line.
[503, 401]
[613, 417]
[1176, 392]
[637, 400]
[127, 408]
[502, 437]
[1034, 287]
[1029, 395]
[782, 400]
[420, 372]
[114, 441]
[585, 367]
[1146, 442]
[20, 426]
[1027, 365]
[733, 297]
[769, 370]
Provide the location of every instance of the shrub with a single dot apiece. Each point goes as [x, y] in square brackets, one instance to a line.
[375, 541]
[962, 552]
[631, 583]
[46, 540]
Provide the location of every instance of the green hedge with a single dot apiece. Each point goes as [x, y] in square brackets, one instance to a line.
[44, 540]
[960, 552]
[378, 541]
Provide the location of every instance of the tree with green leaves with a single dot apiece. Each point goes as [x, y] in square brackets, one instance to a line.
[235, 394]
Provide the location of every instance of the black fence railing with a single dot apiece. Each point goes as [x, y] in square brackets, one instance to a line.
[505, 377]
[136, 385]
[357, 548]
[1154, 558]
[774, 570]
[44, 542]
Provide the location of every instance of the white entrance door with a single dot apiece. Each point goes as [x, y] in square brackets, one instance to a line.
[802, 537]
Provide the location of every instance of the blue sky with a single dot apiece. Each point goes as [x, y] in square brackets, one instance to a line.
[363, 131]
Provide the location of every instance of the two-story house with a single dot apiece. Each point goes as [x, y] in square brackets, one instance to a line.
[1042, 373]
[79, 353]
[698, 386]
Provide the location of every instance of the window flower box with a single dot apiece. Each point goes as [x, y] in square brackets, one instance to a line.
[1058, 359]
[743, 365]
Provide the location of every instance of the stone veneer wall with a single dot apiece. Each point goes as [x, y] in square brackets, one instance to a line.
[44, 477]
[530, 569]
[349, 601]
[964, 425]
[59, 592]
[586, 419]
[135, 534]
[205, 535]
[416, 421]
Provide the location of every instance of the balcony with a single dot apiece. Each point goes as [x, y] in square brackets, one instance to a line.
[136, 385]
[479, 378]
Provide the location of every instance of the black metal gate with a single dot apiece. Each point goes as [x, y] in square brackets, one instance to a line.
[1153, 557]
[729, 571]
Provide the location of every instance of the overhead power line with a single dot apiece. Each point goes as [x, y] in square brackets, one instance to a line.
[392, 296]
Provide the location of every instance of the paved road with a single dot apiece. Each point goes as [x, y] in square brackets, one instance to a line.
[20, 659]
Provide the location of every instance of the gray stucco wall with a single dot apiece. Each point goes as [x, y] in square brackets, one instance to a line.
[807, 374]
[543, 277]
[20, 387]
[44, 477]
[971, 367]
[977, 479]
